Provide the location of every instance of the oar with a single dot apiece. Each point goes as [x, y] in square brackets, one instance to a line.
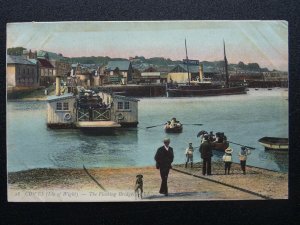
[196, 124]
[241, 145]
[156, 125]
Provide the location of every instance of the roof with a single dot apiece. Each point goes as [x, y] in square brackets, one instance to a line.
[45, 63]
[51, 55]
[121, 64]
[11, 59]
[54, 98]
[193, 68]
[33, 61]
[125, 98]
[183, 68]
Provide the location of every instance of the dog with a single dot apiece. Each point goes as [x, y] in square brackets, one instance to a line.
[138, 189]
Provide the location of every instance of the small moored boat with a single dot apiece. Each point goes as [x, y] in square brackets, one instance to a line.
[274, 143]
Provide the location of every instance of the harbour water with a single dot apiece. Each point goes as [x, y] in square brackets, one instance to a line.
[243, 118]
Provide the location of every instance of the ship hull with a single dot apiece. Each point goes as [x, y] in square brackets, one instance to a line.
[180, 92]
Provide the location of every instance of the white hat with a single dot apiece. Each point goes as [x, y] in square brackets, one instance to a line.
[228, 150]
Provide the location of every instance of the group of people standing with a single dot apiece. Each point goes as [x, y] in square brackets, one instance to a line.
[164, 157]
[206, 154]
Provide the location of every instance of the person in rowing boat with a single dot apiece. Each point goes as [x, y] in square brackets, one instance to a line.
[211, 137]
[174, 123]
[167, 126]
[201, 135]
[243, 157]
[189, 155]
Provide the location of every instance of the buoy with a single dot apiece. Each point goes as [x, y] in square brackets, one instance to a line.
[67, 116]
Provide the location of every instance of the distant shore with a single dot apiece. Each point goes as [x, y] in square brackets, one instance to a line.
[117, 184]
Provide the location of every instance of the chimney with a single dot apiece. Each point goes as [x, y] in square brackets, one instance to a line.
[57, 90]
[201, 72]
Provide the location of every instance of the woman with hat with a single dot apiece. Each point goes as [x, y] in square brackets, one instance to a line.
[243, 157]
[227, 158]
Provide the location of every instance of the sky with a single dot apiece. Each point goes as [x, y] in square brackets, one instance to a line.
[264, 42]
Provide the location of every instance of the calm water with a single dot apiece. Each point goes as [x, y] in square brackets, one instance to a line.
[243, 118]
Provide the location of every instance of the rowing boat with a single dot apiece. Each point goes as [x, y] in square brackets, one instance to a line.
[176, 129]
[274, 143]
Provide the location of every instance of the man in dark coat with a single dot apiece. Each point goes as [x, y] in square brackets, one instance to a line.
[164, 157]
[206, 154]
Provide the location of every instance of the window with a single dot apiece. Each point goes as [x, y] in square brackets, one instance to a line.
[66, 106]
[120, 105]
[59, 106]
[126, 105]
[63, 106]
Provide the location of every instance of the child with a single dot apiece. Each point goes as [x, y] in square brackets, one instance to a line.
[243, 157]
[227, 158]
[189, 155]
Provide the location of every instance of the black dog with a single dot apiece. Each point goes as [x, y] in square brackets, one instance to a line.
[138, 189]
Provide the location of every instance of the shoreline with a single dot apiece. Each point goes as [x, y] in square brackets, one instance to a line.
[117, 184]
[44, 98]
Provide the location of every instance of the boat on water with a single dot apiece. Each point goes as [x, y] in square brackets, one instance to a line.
[199, 90]
[274, 143]
[220, 146]
[173, 126]
[177, 129]
[202, 87]
[218, 142]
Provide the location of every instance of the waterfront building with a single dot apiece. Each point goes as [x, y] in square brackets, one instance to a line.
[61, 67]
[21, 72]
[46, 71]
[150, 77]
[119, 71]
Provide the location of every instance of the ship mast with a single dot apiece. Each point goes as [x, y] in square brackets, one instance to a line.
[226, 67]
[187, 61]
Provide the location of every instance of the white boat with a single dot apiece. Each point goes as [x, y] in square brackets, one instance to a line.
[274, 143]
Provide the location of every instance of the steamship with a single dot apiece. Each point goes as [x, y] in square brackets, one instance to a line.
[204, 88]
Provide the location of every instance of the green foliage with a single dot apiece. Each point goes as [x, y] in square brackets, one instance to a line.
[15, 51]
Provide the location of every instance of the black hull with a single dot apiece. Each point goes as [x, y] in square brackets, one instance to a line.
[180, 92]
[173, 130]
[220, 146]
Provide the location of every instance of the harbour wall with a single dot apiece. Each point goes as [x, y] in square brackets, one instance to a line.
[137, 90]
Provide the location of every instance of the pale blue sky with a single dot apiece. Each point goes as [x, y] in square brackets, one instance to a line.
[264, 42]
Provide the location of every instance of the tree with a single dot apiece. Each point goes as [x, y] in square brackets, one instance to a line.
[15, 51]
[241, 65]
[253, 66]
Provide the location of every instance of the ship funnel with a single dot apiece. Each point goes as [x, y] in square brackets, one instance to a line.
[57, 89]
[201, 72]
